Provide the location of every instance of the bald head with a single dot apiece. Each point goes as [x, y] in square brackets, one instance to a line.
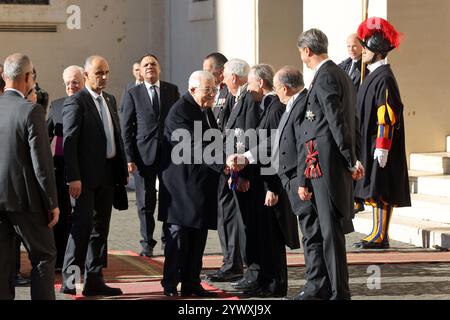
[354, 47]
[96, 73]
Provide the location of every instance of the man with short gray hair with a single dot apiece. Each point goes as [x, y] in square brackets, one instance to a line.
[244, 115]
[28, 198]
[327, 132]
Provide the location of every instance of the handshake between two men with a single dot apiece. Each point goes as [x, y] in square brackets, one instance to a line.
[237, 162]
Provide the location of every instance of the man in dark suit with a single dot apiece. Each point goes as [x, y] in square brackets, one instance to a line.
[95, 164]
[190, 205]
[145, 109]
[138, 79]
[215, 63]
[272, 224]
[352, 65]
[325, 174]
[73, 82]
[233, 203]
[28, 196]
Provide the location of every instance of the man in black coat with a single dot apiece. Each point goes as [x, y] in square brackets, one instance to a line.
[352, 66]
[28, 198]
[244, 115]
[74, 82]
[145, 109]
[215, 63]
[325, 174]
[95, 164]
[272, 224]
[382, 126]
[189, 202]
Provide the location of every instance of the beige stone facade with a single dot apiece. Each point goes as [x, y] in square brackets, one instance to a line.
[182, 32]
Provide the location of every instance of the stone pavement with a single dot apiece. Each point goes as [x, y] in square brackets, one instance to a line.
[396, 282]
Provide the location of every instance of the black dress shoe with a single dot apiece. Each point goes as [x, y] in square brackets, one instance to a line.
[359, 244]
[263, 293]
[171, 292]
[65, 290]
[246, 285]
[375, 245]
[302, 296]
[220, 276]
[101, 290]
[21, 281]
[197, 291]
[146, 253]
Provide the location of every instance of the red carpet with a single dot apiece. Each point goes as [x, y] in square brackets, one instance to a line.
[354, 258]
[138, 277]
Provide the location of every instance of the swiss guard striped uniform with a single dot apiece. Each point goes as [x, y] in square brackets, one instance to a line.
[380, 113]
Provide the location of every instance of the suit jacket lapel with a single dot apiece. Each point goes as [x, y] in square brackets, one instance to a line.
[112, 111]
[295, 105]
[93, 109]
[239, 105]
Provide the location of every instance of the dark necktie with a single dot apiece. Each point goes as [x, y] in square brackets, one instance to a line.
[352, 71]
[155, 100]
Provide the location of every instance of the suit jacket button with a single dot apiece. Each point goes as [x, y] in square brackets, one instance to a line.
[284, 167]
[306, 133]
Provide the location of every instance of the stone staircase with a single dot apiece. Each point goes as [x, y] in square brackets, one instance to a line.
[427, 222]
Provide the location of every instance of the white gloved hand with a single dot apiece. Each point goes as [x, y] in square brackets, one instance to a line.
[382, 156]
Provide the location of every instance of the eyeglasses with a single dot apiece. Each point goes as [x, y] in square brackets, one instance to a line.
[73, 83]
[209, 90]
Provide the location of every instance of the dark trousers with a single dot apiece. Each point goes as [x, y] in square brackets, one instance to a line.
[272, 252]
[230, 228]
[183, 256]
[39, 242]
[145, 180]
[62, 229]
[324, 247]
[87, 246]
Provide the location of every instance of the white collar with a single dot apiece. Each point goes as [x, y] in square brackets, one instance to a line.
[320, 65]
[94, 95]
[376, 65]
[290, 104]
[149, 85]
[15, 90]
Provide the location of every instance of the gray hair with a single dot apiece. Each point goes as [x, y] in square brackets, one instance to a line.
[16, 65]
[315, 40]
[290, 77]
[73, 69]
[197, 76]
[238, 67]
[264, 72]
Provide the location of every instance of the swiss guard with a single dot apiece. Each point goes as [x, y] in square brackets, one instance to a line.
[380, 111]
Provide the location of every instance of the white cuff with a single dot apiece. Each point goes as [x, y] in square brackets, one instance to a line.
[250, 158]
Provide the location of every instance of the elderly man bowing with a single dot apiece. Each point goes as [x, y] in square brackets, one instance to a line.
[189, 198]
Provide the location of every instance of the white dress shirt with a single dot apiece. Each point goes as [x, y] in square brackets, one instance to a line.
[111, 139]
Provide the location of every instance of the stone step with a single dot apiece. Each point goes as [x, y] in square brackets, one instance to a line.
[434, 185]
[427, 208]
[417, 232]
[414, 176]
[438, 162]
